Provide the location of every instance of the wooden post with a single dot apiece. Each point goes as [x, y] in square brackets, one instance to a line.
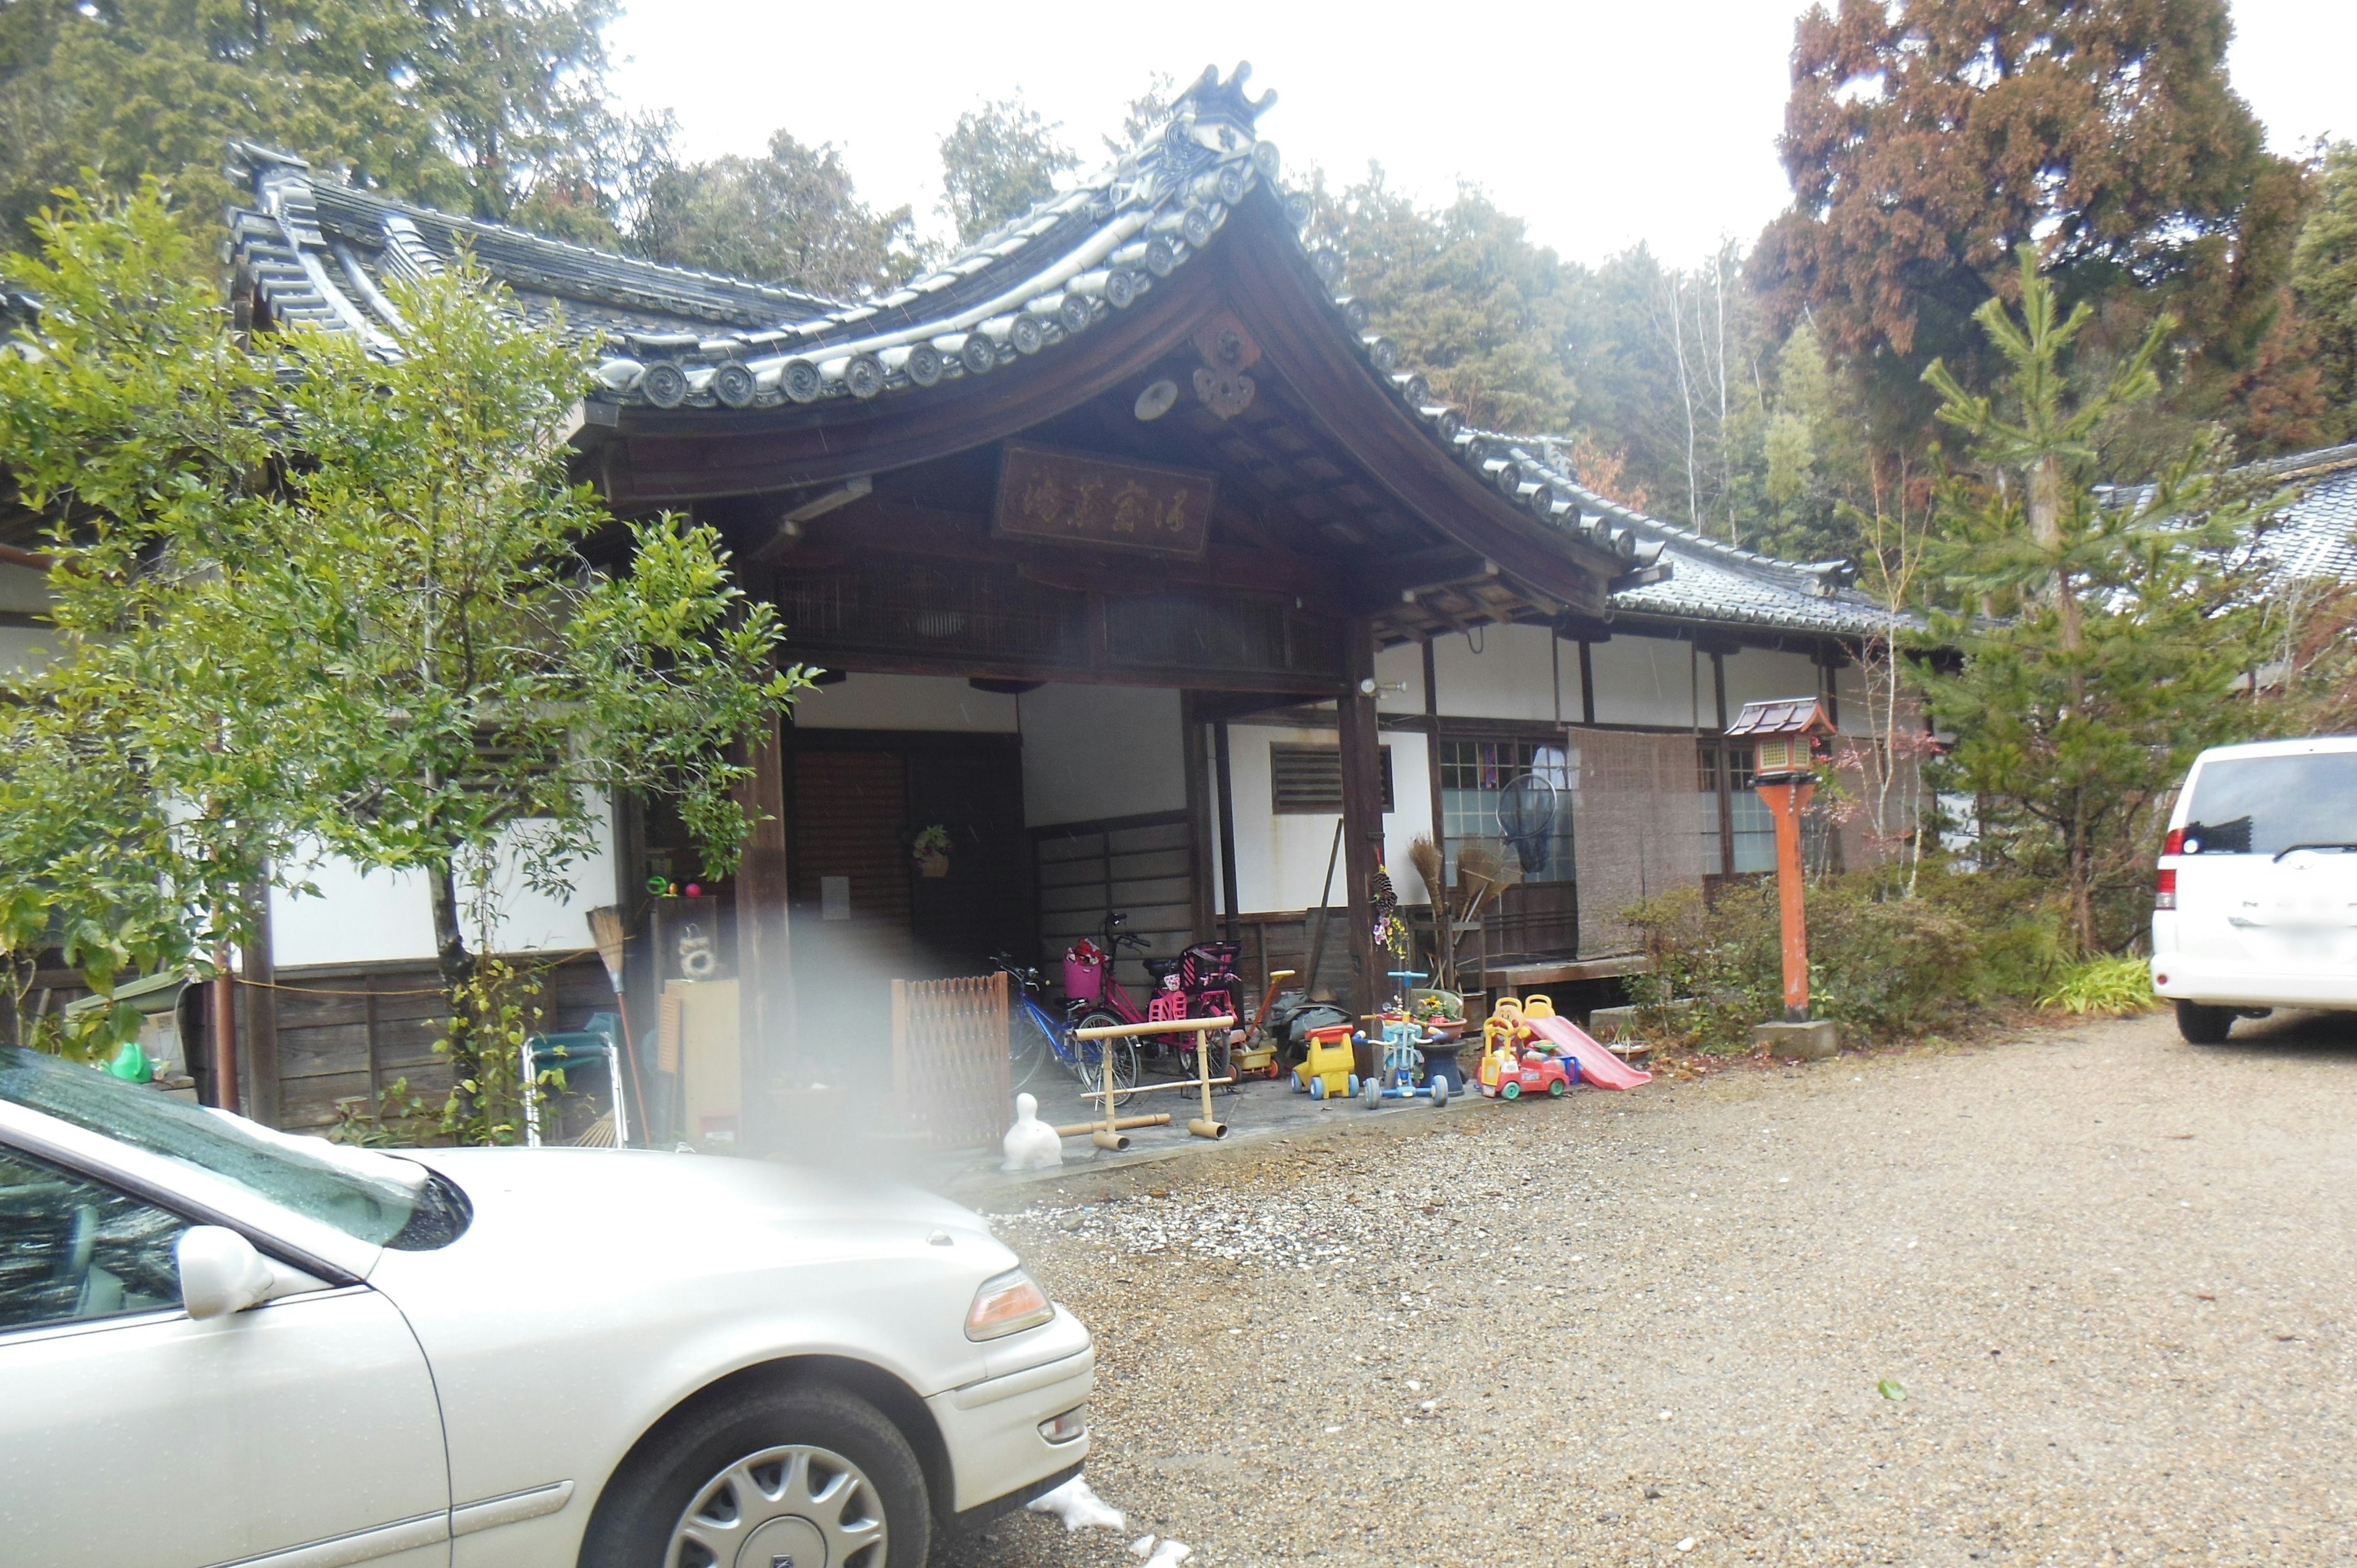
[1362, 808]
[767, 1036]
[1784, 802]
[1227, 788]
[261, 1012]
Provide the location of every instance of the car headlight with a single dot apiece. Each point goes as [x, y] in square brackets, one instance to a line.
[1007, 1304]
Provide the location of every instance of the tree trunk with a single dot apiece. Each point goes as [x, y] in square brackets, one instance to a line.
[2045, 527]
[457, 967]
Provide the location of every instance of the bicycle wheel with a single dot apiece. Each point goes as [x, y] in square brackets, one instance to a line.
[1028, 1044]
[1089, 1055]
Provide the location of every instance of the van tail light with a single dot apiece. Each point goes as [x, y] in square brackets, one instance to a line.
[2165, 897]
[2175, 843]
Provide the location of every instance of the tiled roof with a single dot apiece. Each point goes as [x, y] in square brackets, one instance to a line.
[315, 250]
[2316, 536]
[1701, 579]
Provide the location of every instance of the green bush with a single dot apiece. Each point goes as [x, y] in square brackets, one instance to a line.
[2103, 987]
[1883, 961]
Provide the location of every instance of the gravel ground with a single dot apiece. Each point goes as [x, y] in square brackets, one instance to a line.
[2106, 1275]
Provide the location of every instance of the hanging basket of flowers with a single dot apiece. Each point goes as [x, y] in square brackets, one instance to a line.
[931, 850]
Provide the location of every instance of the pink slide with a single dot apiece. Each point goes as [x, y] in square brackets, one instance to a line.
[1596, 1065]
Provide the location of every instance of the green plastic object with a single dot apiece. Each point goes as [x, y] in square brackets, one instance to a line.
[131, 1064]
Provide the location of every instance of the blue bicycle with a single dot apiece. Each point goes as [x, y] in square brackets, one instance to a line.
[1036, 1036]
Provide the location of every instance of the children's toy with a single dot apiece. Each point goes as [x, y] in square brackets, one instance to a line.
[1326, 1070]
[1031, 1144]
[1515, 1060]
[1401, 1075]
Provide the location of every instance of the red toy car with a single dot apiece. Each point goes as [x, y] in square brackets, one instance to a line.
[1533, 1074]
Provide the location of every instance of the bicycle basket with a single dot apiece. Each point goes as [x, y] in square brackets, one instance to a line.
[1084, 966]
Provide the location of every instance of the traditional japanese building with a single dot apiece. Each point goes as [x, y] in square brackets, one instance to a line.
[1134, 561]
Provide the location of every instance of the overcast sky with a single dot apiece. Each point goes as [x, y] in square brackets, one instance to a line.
[1601, 122]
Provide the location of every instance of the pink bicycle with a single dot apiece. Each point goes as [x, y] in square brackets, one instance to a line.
[1201, 983]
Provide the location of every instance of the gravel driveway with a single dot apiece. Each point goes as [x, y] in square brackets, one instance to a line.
[2110, 1274]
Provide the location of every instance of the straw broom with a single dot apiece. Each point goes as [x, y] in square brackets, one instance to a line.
[606, 931]
[1425, 855]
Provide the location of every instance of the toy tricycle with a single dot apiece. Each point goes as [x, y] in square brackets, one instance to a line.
[1327, 1072]
[1401, 1075]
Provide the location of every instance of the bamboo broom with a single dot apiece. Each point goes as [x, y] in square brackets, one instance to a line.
[606, 929]
[1425, 855]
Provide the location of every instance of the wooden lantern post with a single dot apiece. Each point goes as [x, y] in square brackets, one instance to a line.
[1784, 734]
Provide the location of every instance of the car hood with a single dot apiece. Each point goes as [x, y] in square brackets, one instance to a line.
[698, 1212]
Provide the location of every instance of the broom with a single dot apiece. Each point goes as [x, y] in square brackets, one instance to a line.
[1425, 855]
[606, 931]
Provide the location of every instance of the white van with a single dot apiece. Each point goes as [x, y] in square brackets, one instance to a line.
[2257, 902]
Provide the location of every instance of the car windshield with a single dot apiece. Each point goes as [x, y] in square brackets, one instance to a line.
[378, 1198]
[2266, 805]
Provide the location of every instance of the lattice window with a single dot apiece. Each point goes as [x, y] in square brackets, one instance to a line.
[1475, 773]
[1307, 780]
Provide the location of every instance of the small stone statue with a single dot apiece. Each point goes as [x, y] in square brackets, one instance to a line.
[1032, 1145]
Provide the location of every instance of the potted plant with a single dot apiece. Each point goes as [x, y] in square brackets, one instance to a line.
[931, 850]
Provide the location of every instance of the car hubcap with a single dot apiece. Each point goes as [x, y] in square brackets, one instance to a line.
[793, 1506]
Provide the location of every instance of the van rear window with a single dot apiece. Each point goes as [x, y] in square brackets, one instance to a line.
[2266, 805]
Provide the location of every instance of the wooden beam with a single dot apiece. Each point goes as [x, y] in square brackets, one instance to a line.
[1362, 810]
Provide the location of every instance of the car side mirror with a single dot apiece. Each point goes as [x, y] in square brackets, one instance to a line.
[220, 1271]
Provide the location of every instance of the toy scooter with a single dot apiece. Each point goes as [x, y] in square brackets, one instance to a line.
[1401, 1075]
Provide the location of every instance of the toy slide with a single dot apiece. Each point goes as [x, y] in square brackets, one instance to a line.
[1596, 1065]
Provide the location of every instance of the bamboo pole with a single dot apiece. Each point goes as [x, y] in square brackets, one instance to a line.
[1110, 1135]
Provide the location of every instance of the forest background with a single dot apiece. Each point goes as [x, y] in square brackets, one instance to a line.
[1769, 394]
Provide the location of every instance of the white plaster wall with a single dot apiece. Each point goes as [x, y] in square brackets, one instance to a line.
[905, 702]
[1090, 752]
[24, 649]
[387, 916]
[1402, 667]
[1642, 681]
[1510, 677]
[1758, 675]
[22, 588]
[1281, 860]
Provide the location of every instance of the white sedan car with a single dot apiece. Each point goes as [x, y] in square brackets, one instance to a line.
[221, 1346]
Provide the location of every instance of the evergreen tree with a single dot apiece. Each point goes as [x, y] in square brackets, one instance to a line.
[790, 218]
[2103, 637]
[2324, 275]
[997, 162]
[473, 107]
[1927, 139]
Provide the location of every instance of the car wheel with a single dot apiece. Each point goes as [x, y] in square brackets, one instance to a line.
[809, 1474]
[2204, 1026]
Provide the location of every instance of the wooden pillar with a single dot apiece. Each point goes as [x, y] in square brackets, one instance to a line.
[1362, 809]
[1194, 756]
[769, 1046]
[259, 1015]
[1232, 926]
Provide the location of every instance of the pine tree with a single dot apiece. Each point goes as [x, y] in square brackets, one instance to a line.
[2102, 635]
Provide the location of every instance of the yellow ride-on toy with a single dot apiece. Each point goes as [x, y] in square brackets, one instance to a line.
[1327, 1071]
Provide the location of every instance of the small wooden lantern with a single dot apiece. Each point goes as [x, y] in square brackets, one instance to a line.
[1786, 735]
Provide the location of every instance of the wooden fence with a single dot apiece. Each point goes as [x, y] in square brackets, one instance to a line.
[949, 1059]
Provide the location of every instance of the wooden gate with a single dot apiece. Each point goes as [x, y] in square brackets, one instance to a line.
[949, 1059]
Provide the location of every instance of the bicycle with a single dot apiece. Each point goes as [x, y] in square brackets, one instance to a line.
[1036, 1036]
[1201, 983]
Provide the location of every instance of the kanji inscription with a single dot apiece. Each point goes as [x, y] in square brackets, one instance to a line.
[1046, 494]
